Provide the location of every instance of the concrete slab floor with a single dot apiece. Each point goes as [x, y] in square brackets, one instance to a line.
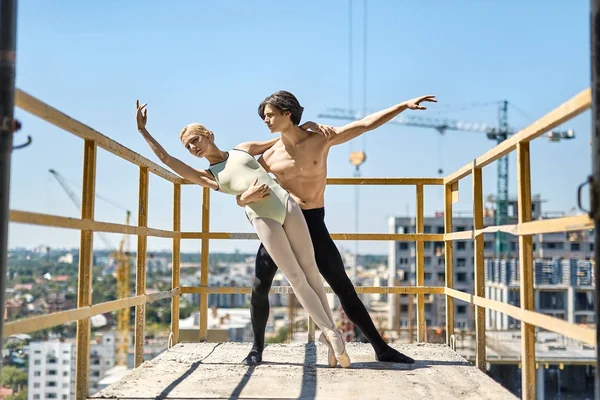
[300, 371]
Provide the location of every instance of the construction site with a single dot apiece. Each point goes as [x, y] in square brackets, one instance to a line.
[493, 299]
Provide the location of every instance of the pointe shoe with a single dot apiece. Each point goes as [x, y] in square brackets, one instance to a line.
[335, 336]
[331, 360]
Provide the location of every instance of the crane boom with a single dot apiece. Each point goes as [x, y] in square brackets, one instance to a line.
[77, 203]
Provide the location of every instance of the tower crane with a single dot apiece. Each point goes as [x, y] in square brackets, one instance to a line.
[499, 134]
[123, 261]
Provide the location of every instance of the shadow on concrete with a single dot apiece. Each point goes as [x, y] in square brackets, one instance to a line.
[191, 369]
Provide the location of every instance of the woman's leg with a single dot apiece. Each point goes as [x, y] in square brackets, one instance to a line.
[299, 237]
[276, 242]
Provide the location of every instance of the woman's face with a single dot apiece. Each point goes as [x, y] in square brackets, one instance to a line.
[195, 143]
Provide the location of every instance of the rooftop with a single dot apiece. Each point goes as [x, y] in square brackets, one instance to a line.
[300, 371]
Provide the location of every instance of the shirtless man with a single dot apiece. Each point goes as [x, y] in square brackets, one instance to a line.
[299, 162]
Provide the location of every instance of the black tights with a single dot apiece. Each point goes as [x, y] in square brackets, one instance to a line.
[330, 266]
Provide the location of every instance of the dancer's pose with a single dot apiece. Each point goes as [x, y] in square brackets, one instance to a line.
[275, 215]
[299, 162]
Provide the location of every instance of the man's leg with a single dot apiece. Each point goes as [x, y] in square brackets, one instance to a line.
[264, 273]
[332, 268]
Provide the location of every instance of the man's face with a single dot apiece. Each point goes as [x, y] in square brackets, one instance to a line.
[276, 120]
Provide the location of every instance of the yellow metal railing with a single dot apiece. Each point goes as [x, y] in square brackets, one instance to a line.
[524, 229]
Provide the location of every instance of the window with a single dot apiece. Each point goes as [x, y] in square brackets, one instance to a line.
[37, 362]
[65, 373]
[65, 385]
[427, 260]
[66, 362]
[427, 276]
[427, 229]
[51, 372]
[440, 229]
[65, 351]
[487, 245]
[37, 352]
[37, 373]
[441, 261]
[51, 395]
[441, 276]
[65, 396]
[461, 309]
[36, 385]
[403, 246]
[403, 261]
[51, 383]
[575, 247]
[461, 245]
[428, 307]
[461, 277]
[427, 245]
[552, 245]
[404, 307]
[461, 262]
[460, 229]
[36, 396]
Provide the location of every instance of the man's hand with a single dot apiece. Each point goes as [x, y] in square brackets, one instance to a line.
[254, 193]
[415, 104]
[323, 130]
[141, 115]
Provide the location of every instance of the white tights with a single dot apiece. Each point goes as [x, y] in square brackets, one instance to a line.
[291, 248]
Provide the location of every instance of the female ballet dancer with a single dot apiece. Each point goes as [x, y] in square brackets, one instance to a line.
[276, 217]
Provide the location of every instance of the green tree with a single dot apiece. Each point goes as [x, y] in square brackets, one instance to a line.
[13, 377]
[22, 395]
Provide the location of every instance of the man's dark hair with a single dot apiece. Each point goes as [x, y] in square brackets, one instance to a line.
[284, 102]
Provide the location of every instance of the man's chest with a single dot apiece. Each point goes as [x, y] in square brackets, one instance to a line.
[293, 162]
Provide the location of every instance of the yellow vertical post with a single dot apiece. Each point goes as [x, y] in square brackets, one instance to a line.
[478, 265]
[311, 330]
[420, 267]
[84, 279]
[204, 267]
[449, 262]
[176, 258]
[528, 384]
[140, 278]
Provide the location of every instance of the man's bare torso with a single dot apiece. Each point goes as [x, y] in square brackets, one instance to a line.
[300, 169]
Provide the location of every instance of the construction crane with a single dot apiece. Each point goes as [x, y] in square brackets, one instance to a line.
[499, 134]
[77, 203]
[122, 259]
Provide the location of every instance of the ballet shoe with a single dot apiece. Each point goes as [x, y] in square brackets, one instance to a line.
[331, 360]
[335, 336]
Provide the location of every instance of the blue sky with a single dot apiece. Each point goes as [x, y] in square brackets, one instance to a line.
[213, 62]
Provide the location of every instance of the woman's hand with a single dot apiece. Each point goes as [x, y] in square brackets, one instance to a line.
[254, 193]
[141, 115]
[323, 130]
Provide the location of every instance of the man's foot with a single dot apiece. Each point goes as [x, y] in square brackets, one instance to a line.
[392, 355]
[253, 358]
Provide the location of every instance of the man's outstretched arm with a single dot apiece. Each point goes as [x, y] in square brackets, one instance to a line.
[373, 121]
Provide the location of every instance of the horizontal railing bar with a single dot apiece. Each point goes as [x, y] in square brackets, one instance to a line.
[571, 108]
[57, 118]
[288, 290]
[414, 237]
[385, 181]
[37, 323]
[57, 221]
[573, 331]
[552, 225]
